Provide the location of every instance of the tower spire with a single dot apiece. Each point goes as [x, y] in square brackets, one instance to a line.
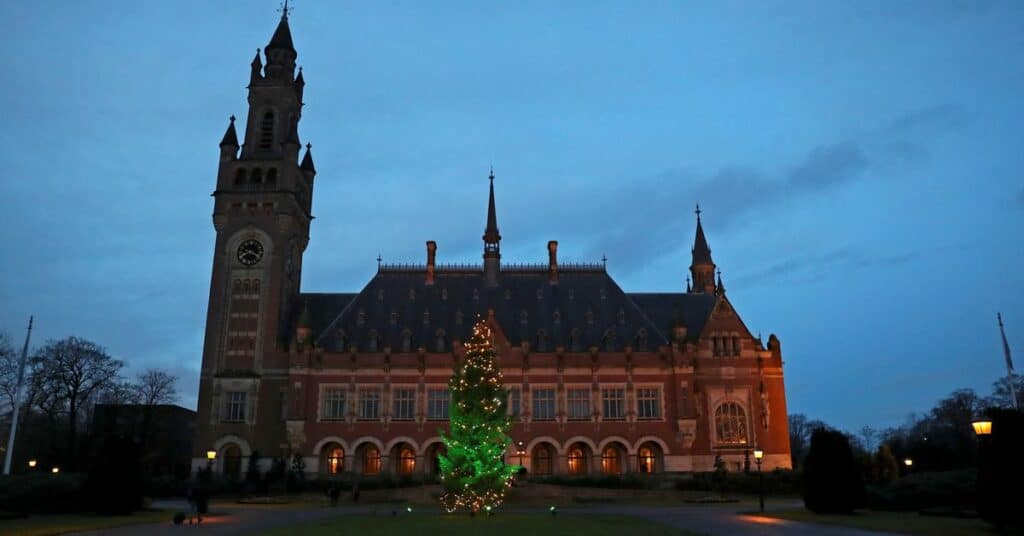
[702, 268]
[280, 51]
[492, 239]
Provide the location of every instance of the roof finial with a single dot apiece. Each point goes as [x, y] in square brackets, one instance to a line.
[284, 9]
[491, 176]
[604, 260]
[698, 211]
[232, 118]
[378, 261]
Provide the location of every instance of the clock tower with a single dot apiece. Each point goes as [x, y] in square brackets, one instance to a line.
[262, 213]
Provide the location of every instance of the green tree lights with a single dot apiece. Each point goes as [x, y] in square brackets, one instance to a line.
[473, 470]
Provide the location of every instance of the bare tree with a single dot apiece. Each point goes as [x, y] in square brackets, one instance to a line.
[156, 387]
[8, 374]
[800, 430]
[72, 371]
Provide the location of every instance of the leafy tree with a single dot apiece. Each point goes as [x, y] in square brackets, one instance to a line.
[70, 372]
[832, 479]
[473, 471]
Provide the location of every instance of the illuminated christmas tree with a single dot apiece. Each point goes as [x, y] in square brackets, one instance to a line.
[473, 470]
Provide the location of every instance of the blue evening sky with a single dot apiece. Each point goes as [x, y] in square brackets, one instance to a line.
[859, 164]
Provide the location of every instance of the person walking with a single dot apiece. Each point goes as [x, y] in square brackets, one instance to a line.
[355, 492]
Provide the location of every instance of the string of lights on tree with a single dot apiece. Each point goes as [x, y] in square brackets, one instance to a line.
[473, 470]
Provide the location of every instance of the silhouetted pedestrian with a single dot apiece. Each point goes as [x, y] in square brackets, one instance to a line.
[334, 491]
[355, 492]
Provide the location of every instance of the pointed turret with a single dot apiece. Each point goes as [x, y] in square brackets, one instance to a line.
[300, 84]
[307, 162]
[720, 287]
[280, 51]
[257, 69]
[229, 143]
[702, 268]
[492, 240]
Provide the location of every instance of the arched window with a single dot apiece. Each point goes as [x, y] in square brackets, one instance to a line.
[371, 460]
[335, 461]
[645, 460]
[239, 177]
[542, 460]
[577, 461]
[611, 461]
[267, 131]
[731, 424]
[406, 461]
[272, 176]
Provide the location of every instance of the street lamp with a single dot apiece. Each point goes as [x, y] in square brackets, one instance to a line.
[55, 470]
[908, 462]
[521, 452]
[982, 427]
[758, 454]
[32, 464]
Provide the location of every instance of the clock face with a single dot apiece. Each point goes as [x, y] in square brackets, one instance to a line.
[250, 252]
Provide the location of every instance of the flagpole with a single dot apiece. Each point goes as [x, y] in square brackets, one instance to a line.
[1009, 362]
[17, 401]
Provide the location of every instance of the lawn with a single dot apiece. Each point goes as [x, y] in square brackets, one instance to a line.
[45, 525]
[511, 524]
[898, 522]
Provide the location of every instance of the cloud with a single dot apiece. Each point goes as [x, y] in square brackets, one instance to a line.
[828, 166]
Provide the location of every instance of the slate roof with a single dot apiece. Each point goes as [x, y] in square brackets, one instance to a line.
[701, 251]
[579, 312]
[282, 37]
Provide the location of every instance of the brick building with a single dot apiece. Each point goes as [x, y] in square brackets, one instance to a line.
[599, 379]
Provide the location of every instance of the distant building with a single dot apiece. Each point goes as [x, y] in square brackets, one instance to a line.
[164, 431]
[599, 379]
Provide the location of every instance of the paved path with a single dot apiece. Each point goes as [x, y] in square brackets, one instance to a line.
[711, 520]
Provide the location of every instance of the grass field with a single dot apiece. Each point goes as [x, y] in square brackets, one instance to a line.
[898, 522]
[499, 525]
[63, 523]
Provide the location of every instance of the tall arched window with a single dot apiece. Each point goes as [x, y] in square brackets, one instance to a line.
[577, 461]
[575, 343]
[406, 461]
[609, 341]
[542, 460]
[645, 460]
[372, 341]
[542, 341]
[371, 460]
[611, 461]
[731, 424]
[267, 131]
[440, 340]
[335, 461]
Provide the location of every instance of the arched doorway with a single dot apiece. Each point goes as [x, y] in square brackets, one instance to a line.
[432, 458]
[611, 459]
[232, 456]
[543, 459]
[649, 458]
[578, 459]
[332, 459]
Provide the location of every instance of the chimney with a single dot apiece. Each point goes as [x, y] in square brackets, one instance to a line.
[431, 252]
[553, 262]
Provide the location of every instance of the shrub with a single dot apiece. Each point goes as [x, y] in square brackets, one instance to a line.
[926, 490]
[43, 493]
[115, 481]
[1001, 470]
[776, 482]
[832, 480]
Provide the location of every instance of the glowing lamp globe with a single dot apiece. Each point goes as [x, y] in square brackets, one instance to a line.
[758, 454]
[908, 462]
[982, 427]
[211, 455]
[32, 463]
[55, 470]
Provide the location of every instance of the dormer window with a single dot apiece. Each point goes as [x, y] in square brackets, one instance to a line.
[440, 341]
[524, 317]
[394, 317]
[266, 140]
[340, 340]
[540, 294]
[380, 295]
[508, 294]
[476, 294]
[361, 318]
[458, 317]
[406, 341]
[609, 341]
[412, 294]
[589, 316]
[372, 341]
[575, 344]
[622, 317]
[603, 294]
[557, 317]
[426, 317]
[444, 294]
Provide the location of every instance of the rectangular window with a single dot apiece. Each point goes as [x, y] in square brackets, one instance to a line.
[514, 402]
[369, 404]
[235, 410]
[579, 404]
[648, 403]
[404, 404]
[543, 404]
[437, 404]
[284, 405]
[332, 406]
[613, 403]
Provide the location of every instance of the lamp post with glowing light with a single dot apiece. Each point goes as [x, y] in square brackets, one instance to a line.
[55, 470]
[211, 456]
[909, 462]
[32, 464]
[758, 455]
[521, 451]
